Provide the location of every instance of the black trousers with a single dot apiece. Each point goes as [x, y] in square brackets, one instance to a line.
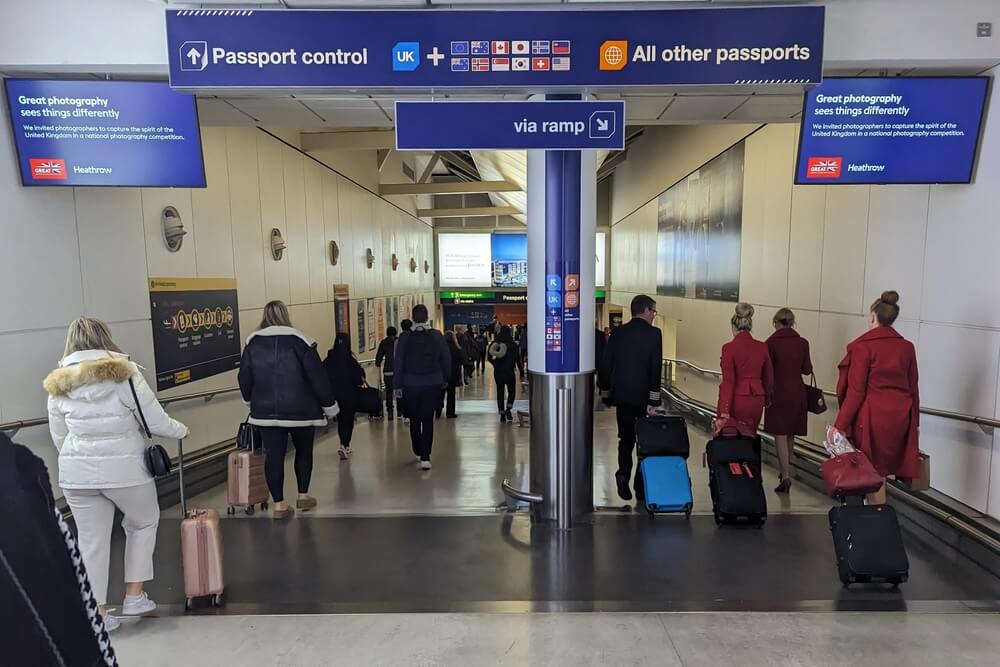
[447, 401]
[481, 363]
[275, 439]
[510, 385]
[345, 424]
[627, 416]
[389, 396]
[421, 404]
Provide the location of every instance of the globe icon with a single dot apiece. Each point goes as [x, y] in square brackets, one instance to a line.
[613, 55]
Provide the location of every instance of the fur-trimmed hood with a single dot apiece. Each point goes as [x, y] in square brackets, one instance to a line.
[76, 374]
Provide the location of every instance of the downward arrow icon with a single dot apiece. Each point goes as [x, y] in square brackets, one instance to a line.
[602, 125]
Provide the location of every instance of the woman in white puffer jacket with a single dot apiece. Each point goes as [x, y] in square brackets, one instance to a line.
[96, 427]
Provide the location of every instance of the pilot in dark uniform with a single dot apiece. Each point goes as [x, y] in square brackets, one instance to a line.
[629, 375]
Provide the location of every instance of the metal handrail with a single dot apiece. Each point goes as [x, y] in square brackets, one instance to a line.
[934, 412]
[14, 426]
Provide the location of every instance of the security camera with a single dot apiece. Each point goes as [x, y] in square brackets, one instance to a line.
[173, 228]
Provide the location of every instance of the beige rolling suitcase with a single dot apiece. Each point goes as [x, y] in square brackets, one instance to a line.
[201, 548]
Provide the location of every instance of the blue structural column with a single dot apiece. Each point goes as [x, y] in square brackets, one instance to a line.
[562, 200]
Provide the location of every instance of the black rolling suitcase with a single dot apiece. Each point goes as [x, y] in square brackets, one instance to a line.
[735, 481]
[869, 544]
[369, 402]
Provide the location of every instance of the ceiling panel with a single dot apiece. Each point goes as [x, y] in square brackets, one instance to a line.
[645, 108]
[349, 112]
[768, 108]
[215, 112]
[706, 108]
[279, 112]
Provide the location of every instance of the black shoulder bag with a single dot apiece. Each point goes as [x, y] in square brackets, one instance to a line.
[156, 458]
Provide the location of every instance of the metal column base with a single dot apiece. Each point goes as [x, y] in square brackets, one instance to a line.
[562, 447]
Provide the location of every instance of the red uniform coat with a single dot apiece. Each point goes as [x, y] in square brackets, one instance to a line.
[788, 412]
[747, 380]
[880, 402]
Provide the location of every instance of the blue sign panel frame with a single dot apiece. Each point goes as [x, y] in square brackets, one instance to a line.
[892, 130]
[510, 125]
[73, 133]
[458, 49]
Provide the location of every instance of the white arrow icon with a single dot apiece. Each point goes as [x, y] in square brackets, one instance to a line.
[194, 56]
[602, 125]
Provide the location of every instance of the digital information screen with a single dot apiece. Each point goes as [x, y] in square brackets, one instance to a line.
[106, 133]
[891, 130]
[465, 260]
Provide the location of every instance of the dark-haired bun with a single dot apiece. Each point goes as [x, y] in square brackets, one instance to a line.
[890, 297]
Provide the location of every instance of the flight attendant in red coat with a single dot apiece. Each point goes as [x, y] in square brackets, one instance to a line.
[879, 398]
[787, 416]
[747, 377]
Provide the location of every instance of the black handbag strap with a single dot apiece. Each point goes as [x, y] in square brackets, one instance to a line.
[142, 417]
[813, 382]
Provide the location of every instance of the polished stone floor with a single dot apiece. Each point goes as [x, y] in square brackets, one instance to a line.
[661, 640]
[472, 455]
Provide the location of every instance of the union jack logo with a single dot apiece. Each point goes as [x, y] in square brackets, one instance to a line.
[824, 167]
[48, 169]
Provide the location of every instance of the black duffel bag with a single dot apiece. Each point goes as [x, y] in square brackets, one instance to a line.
[369, 401]
[662, 435]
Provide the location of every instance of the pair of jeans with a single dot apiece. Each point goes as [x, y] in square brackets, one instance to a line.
[389, 396]
[345, 424]
[626, 416]
[421, 404]
[447, 401]
[510, 385]
[275, 439]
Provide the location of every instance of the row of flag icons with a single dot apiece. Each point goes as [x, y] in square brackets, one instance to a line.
[538, 47]
[504, 64]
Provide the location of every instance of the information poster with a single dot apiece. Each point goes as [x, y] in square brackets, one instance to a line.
[380, 317]
[342, 316]
[392, 304]
[699, 227]
[372, 334]
[362, 339]
[196, 328]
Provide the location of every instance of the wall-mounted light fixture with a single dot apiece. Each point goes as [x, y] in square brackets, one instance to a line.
[278, 245]
[395, 262]
[369, 258]
[334, 253]
[413, 265]
[173, 228]
[427, 266]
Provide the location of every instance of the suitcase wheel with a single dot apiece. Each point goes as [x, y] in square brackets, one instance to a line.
[230, 510]
[250, 510]
[687, 512]
[217, 600]
[263, 506]
[187, 604]
[718, 517]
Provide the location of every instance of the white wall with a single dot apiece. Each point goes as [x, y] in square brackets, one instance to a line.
[827, 252]
[89, 251]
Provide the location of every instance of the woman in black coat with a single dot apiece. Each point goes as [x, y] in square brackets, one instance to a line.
[503, 354]
[455, 379]
[346, 377]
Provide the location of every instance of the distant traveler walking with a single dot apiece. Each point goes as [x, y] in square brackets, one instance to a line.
[98, 400]
[384, 359]
[504, 357]
[481, 345]
[454, 379]
[630, 375]
[469, 352]
[282, 378]
[346, 377]
[787, 416]
[747, 377]
[422, 369]
[879, 396]
[404, 326]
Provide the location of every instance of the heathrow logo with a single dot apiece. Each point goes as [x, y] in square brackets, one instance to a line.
[824, 167]
[48, 169]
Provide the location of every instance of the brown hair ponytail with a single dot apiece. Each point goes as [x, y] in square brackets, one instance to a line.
[886, 308]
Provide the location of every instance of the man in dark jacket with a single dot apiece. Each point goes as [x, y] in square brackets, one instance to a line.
[422, 368]
[385, 354]
[404, 326]
[630, 374]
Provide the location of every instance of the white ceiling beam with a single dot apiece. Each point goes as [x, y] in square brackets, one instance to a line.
[474, 212]
[429, 169]
[341, 141]
[450, 188]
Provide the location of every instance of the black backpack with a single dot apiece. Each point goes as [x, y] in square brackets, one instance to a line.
[421, 353]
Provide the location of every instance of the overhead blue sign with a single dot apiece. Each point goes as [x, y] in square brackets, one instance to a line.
[249, 48]
[568, 125]
[130, 133]
[891, 130]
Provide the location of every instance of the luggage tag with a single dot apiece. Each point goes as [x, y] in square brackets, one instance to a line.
[735, 469]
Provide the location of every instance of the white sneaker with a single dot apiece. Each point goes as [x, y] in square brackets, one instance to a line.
[417, 459]
[425, 465]
[342, 453]
[137, 605]
[111, 623]
[348, 452]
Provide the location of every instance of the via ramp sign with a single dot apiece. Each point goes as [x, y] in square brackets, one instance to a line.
[510, 125]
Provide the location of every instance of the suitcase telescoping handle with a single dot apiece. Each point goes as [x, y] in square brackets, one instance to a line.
[180, 476]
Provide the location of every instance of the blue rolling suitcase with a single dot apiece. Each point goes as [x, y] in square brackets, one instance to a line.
[666, 484]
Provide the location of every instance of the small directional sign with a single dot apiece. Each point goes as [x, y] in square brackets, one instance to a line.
[510, 125]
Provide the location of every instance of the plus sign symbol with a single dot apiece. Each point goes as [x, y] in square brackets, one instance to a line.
[435, 56]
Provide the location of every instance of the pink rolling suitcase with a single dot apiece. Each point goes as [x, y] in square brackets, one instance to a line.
[201, 548]
[246, 486]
